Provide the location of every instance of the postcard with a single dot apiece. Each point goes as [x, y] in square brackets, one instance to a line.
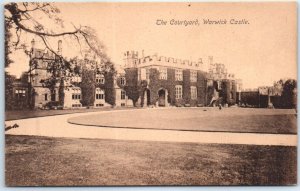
[150, 94]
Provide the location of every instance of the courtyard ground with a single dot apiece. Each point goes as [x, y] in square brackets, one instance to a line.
[49, 151]
[44, 161]
[25, 114]
[242, 120]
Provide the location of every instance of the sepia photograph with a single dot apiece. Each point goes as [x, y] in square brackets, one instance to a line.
[150, 93]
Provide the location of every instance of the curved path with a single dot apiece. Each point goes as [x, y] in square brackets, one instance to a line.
[57, 126]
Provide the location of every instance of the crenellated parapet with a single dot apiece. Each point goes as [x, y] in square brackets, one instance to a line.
[155, 60]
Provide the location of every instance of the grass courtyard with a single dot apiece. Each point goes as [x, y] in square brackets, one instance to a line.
[54, 161]
[242, 120]
[43, 161]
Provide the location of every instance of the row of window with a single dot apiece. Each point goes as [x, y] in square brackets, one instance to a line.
[99, 95]
[178, 92]
[76, 96]
[20, 94]
[163, 75]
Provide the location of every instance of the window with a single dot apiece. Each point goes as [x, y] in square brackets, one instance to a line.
[76, 105]
[193, 92]
[147, 74]
[99, 93]
[219, 85]
[76, 94]
[122, 81]
[100, 78]
[193, 76]
[76, 78]
[46, 97]
[20, 93]
[144, 74]
[123, 94]
[99, 105]
[163, 75]
[123, 104]
[178, 75]
[178, 92]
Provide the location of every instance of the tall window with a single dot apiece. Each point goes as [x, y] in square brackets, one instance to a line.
[193, 76]
[99, 93]
[123, 94]
[219, 85]
[147, 74]
[163, 74]
[76, 94]
[178, 75]
[178, 92]
[193, 92]
[100, 78]
[122, 81]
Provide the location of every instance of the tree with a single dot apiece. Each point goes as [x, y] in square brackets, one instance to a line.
[9, 102]
[289, 94]
[23, 18]
[20, 18]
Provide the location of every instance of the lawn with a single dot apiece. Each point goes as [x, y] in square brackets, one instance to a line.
[198, 119]
[24, 114]
[42, 161]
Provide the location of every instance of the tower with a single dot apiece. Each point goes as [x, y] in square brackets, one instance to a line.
[130, 59]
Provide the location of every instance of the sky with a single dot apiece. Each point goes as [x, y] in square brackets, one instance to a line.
[259, 53]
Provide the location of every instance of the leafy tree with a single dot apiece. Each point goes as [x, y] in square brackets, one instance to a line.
[88, 87]
[9, 102]
[24, 18]
[289, 94]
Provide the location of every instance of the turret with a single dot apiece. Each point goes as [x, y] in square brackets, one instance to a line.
[130, 59]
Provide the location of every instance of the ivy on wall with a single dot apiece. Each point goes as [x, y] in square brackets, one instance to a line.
[110, 93]
[202, 88]
[87, 87]
[131, 84]
[186, 88]
[136, 90]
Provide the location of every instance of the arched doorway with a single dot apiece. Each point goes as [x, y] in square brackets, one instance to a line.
[162, 97]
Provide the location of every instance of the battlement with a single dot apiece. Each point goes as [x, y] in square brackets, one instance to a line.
[169, 62]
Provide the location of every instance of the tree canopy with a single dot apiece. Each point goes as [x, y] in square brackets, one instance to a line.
[43, 21]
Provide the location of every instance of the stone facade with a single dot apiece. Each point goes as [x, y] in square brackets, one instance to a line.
[179, 82]
[144, 81]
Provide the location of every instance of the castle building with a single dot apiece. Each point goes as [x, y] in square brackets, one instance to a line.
[166, 81]
[87, 88]
[143, 81]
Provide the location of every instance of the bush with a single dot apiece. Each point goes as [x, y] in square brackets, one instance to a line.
[53, 105]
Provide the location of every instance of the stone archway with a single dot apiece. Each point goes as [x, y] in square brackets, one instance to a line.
[162, 98]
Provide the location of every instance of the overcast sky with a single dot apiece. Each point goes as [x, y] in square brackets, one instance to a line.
[259, 53]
